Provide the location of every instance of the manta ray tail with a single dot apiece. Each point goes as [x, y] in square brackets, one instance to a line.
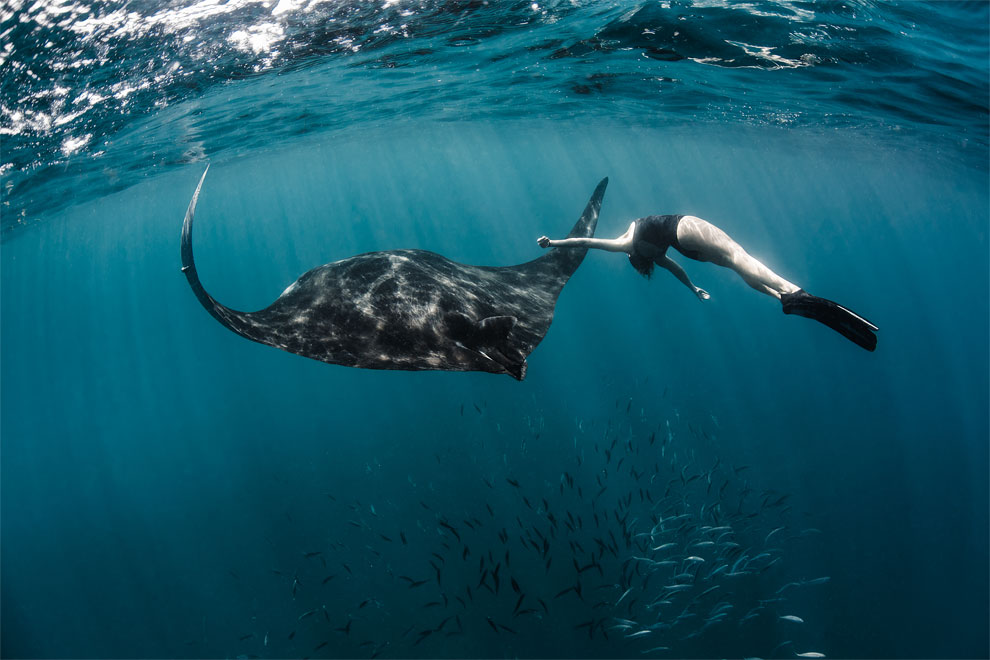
[231, 319]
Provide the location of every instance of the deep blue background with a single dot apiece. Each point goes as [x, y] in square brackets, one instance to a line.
[156, 467]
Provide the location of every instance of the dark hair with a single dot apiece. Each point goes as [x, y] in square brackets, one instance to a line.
[643, 265]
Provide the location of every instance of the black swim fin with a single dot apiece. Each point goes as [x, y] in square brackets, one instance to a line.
[850, 325]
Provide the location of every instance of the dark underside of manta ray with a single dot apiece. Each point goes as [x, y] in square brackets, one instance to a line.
[409, 309]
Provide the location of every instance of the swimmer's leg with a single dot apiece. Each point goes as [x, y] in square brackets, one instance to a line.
[704, 241]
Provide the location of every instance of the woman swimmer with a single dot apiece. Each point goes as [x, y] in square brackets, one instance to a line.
[646, 242]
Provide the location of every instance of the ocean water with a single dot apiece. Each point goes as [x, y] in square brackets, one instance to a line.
[168, 489]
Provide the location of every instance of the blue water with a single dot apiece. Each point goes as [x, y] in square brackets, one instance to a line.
[162, 480]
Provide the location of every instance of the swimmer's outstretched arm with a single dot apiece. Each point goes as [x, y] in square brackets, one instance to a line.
[621, 244]
[612, 245]
[674, 267]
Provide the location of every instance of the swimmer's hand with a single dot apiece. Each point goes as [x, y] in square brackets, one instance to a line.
[701, 293]
[543, 241]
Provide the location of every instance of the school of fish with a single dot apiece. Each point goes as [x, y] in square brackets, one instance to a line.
[635, 545]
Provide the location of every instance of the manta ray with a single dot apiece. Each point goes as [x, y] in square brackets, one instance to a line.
[409, 310]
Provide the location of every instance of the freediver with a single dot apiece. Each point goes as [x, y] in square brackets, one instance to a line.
[647, 240]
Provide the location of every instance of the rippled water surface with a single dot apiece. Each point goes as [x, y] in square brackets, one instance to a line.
[98, 95]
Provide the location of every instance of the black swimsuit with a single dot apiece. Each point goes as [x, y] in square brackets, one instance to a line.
[660, 231]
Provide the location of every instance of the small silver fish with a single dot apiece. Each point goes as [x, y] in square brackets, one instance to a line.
[791, 617]
[810, 654]
[623, 596]
[788, 585]
[767, 539]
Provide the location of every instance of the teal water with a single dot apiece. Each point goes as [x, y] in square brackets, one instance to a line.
[163, 479]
